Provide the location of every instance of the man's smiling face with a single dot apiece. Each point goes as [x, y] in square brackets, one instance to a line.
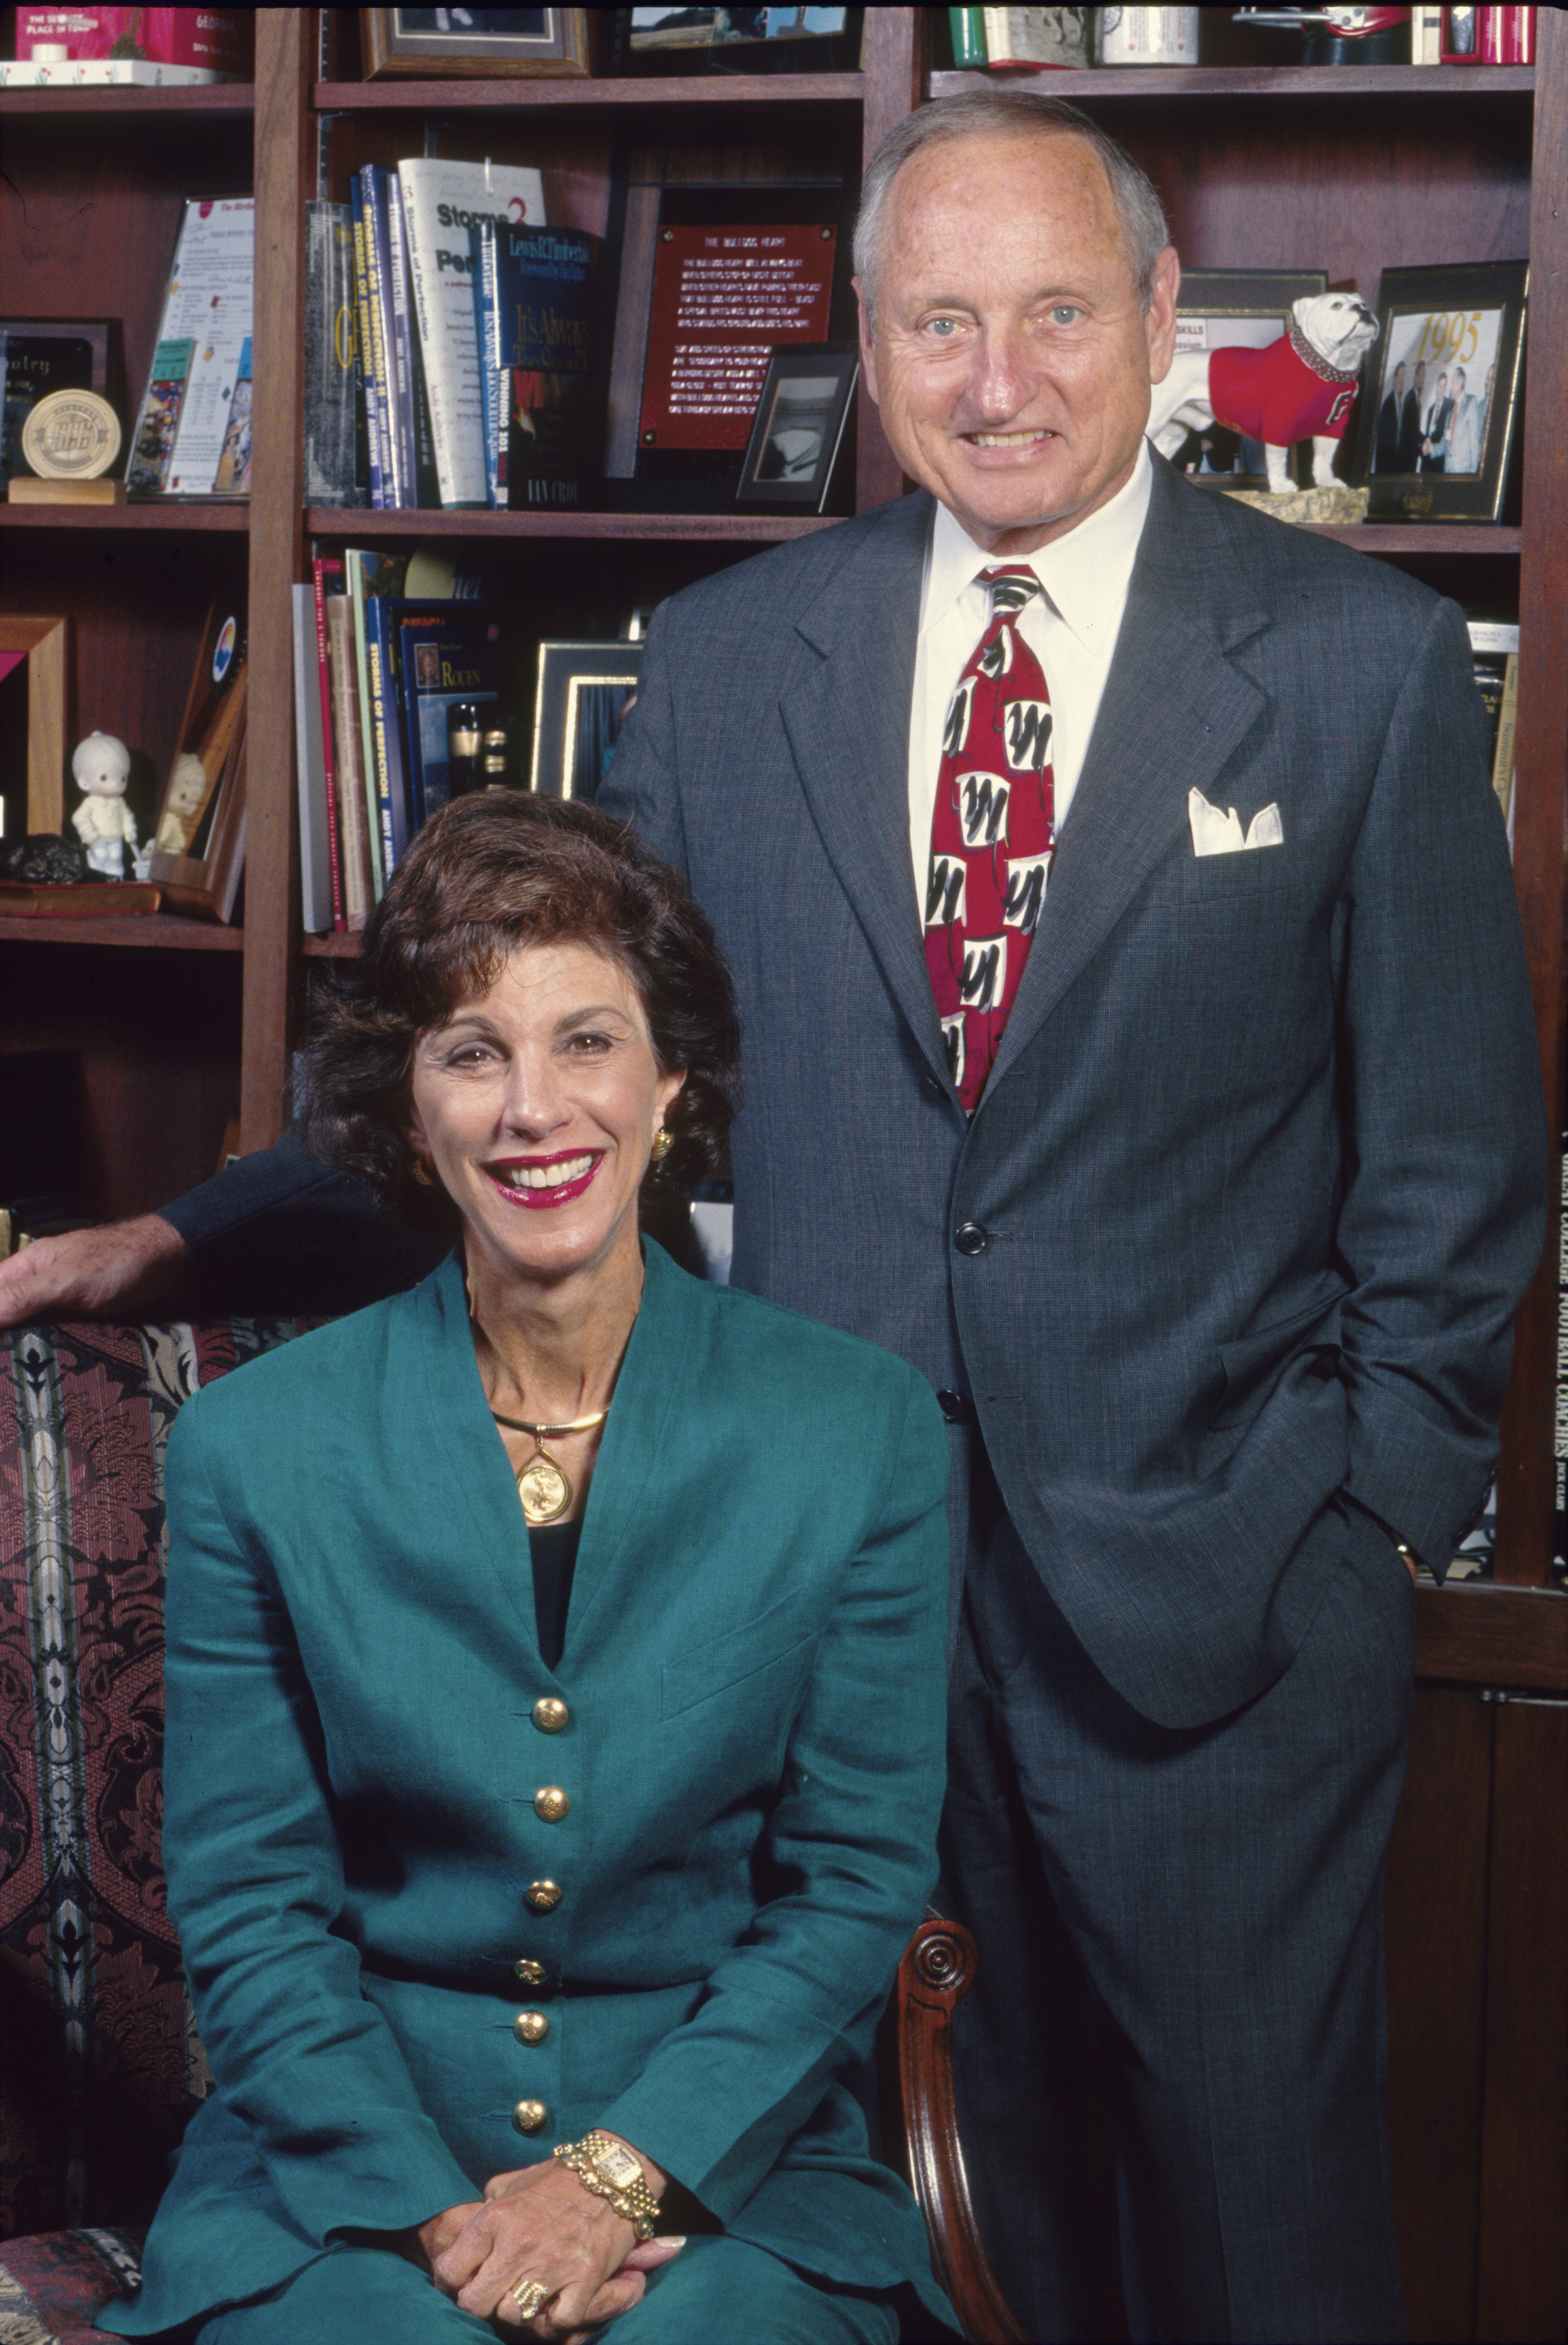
[1011, 361]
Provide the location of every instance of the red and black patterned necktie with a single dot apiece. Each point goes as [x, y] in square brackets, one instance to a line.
[992, 833]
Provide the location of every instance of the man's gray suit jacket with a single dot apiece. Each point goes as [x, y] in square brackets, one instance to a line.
[1238, 1226]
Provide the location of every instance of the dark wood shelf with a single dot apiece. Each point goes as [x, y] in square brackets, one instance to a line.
[1424, 537]
[209, 97]
[1256, 81]
[332, 944]
[1481, 1634]
[184, 518]
[663, 89]
[163, 930]
[355, 521]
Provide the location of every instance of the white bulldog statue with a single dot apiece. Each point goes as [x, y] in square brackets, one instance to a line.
[1300, 387]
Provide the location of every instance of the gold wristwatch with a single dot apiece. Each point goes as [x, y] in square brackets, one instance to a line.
[608, 2168]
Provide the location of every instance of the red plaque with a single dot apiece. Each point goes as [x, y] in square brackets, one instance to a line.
[723, 299]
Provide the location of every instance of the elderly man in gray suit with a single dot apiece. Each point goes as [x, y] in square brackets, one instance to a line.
[1138, 1041]
[1172, 1122]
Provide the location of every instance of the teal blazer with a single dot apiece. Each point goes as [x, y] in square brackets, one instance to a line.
[754, 1755]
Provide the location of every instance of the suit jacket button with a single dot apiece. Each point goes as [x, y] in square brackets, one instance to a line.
[543, 1896]
[970, 1238]
[955, 1408]
[551, 1804]
[531, 2027]
[549, 1715]
[529, 1973]
[530, 2117]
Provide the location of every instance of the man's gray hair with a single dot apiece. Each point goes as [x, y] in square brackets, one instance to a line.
[983, 113]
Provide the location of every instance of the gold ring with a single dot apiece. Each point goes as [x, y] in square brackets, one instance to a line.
[531, 2296]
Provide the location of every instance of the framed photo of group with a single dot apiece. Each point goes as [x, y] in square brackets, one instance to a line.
[1440, 399]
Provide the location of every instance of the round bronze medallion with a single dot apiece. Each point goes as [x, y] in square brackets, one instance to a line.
[71, 435]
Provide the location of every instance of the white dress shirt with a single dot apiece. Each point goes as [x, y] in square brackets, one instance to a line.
[1071, 627]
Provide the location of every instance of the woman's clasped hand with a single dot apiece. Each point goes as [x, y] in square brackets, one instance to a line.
[540, 2225]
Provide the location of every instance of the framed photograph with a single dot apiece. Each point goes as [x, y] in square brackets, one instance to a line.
[1227, 308]
[198, 845]
[470, 43]
[665, 40]
[799, 427]
[33, 708]
[586, 692]
[1440, 409]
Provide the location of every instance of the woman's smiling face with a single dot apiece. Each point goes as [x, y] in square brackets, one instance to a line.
[535, 1105]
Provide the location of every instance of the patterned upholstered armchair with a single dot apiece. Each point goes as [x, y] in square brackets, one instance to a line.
[100, 2065]
[99, 2062]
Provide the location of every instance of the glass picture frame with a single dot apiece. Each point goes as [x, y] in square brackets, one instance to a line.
[799, 427]
[489, 45]
[1439, 420]
[586, 693]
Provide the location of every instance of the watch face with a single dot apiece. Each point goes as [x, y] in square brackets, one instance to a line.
[617, 2165]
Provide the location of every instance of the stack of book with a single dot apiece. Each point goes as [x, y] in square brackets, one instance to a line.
[470, 370]
[379, 673]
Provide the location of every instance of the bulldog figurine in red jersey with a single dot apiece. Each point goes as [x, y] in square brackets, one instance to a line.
[1300, 387]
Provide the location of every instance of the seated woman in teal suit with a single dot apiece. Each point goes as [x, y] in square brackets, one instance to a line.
[555, 1691]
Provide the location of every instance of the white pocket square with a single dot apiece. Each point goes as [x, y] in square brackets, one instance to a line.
[1214, 833]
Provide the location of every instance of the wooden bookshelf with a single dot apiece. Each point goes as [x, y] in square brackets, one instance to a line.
[187, 517]
[155, 931]
[715, 529]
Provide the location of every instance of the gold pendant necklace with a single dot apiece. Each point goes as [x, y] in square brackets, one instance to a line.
[542, 1486]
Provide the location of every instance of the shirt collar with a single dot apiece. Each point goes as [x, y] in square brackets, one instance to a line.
[1086, 573]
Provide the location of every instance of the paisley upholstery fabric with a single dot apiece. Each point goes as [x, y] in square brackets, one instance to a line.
[52, 2287]
[99, 2063]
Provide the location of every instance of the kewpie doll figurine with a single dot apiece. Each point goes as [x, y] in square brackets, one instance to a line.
[183, 806]
[104, 822]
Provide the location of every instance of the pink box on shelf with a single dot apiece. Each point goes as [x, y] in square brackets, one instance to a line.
[222, 39]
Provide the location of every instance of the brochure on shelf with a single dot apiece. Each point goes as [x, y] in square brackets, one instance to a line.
[202, 342]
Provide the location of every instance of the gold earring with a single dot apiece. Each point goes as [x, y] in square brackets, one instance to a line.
[417, 1168]
[663, 1142]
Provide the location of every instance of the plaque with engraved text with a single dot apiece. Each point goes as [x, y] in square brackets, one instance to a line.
[723, 297]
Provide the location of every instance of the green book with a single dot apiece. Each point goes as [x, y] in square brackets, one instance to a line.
[968, 28]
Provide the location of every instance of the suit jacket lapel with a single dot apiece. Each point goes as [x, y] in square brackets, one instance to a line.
[635, 1433]
[846, 713]
[480, 1482]
[1174, 709]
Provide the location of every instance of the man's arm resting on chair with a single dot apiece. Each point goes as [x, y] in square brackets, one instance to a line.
[277, 1232]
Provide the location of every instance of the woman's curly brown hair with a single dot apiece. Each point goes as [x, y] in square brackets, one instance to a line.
[487, 875]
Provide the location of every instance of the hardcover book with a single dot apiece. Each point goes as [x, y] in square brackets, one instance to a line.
[447, 653]
[543, 345]
[371, 575]
[310, 763]
[353, 824]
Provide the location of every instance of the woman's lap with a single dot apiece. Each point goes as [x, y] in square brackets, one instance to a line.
[364, 2294]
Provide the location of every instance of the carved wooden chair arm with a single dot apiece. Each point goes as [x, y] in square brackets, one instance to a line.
[935, 1973]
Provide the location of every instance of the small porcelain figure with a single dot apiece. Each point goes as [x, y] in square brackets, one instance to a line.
[104, 822]
[182, 807]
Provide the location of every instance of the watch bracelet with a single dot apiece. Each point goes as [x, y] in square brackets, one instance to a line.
[633, 2202]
